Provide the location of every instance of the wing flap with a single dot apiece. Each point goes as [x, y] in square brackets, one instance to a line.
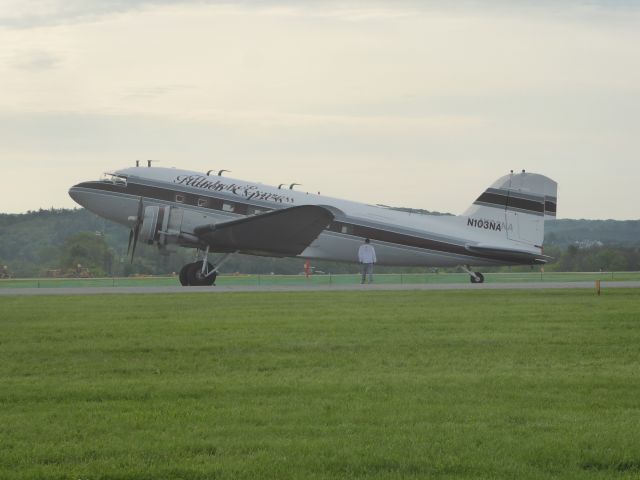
[281, 232]
[510, 254]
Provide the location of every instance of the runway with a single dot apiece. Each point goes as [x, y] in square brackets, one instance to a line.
[315, 288]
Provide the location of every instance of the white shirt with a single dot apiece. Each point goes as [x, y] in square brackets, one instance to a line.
[366, 253]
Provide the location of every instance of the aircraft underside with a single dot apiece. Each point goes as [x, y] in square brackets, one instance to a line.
[344, 248]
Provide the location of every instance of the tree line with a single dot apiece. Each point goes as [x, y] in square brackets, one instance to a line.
[74, 242]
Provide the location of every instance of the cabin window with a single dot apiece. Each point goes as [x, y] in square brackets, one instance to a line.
[228, 207]
[241, 208]
[257, 211]
[180, 198]
[345, 229]
[360, 231]
[202, 202]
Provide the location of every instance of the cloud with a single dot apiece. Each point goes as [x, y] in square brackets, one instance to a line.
[154, 91]
[39, 13]
[450, 96]
[33, 13]
[36, 61]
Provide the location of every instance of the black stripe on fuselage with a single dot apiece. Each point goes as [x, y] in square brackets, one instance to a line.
[347, 228]
[550, 204]
[512, 201]
[494, 199]
[179, 196]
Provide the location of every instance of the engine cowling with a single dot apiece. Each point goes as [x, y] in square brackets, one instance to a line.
[160, 225]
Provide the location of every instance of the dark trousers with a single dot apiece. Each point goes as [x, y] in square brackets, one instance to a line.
[367, 269]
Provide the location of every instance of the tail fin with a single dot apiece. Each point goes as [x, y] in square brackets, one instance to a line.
[520, 202]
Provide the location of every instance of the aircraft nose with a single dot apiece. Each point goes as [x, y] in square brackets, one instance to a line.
[105, 202]
[76, 194]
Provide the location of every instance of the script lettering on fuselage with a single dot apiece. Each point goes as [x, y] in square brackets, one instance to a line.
[250, 192]
[489, 224]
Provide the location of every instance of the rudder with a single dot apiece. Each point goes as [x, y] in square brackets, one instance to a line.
[523, 201]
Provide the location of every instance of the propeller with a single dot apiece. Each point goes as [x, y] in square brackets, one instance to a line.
[135, 229]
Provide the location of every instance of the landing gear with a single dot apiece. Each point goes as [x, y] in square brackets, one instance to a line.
[183, 275]
[474, 277]
[199, 277]
[191, 275]
[477, 277]
[201, 273]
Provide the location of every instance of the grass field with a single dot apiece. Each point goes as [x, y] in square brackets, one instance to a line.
[341, 279]
[486, 384]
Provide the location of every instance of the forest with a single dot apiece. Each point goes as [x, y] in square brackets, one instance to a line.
[54, 242]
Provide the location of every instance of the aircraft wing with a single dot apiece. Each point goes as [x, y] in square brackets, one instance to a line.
[279, 233]
[510, 254]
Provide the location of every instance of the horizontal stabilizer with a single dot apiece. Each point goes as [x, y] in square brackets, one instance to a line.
[510, 255]
[280, 233]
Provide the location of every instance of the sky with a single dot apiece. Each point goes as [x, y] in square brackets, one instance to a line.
[404, 103]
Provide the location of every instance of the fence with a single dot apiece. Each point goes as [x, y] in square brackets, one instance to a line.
[320, 279]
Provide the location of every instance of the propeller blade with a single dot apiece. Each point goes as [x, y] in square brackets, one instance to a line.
[135, 242]
[140, 211]
[136, 230]
[130, 240]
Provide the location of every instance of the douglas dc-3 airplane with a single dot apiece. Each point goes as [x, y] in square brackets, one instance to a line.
[212, 213]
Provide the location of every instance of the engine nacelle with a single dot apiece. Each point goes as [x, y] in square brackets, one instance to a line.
[161, 225]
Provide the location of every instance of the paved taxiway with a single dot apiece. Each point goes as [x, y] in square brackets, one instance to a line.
[314, 288]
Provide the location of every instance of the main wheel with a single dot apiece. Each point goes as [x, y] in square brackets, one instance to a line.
[195, 278]
[479, 278]
[184, 281]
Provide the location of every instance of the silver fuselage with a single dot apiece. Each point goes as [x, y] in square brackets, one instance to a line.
[400, 238]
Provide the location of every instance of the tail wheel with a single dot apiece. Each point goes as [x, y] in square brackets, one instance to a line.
[478, 278]
[196, 278]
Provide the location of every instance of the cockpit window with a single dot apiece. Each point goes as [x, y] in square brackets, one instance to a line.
[114, 178]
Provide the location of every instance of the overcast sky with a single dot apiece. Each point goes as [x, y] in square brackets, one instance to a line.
[404, 103]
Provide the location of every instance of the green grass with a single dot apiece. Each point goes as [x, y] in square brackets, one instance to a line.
[341, 279]
[514, 385]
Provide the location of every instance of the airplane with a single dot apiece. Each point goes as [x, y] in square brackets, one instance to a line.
[213, 213]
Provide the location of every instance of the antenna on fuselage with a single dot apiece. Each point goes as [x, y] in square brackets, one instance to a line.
[149, 162]
[137, 163]
[293, 185]
[220, 172]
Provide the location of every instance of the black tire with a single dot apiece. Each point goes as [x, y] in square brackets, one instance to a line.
[479, 278]
[184, 281]
[195, 277]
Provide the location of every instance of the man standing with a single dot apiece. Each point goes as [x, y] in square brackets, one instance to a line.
[367, 257]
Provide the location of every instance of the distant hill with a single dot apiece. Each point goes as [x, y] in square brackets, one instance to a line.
[609, 232]
[30, 243]
[567, 232]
